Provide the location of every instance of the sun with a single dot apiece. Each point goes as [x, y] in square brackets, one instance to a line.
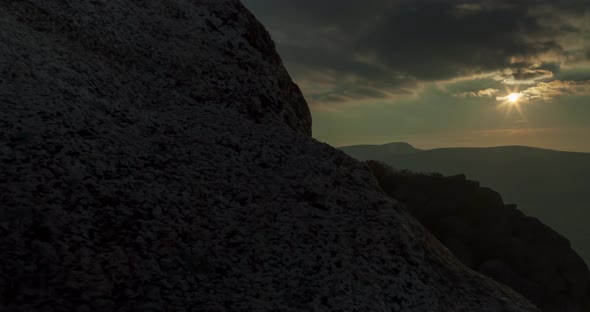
[513, 97]
[512, 100]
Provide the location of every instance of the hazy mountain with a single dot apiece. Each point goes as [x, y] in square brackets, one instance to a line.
[551, 185]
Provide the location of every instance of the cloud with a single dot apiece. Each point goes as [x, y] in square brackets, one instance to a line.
[540, 91]
[552, 89]
[433, 42]
[525, 76]
[389, 48]
[490, 92]
[346, 89]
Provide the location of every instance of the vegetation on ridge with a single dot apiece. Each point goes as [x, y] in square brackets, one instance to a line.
[492, 238]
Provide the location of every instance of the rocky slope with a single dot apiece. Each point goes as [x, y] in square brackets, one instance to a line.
[155, 156]
[495, 239]
[550, 185]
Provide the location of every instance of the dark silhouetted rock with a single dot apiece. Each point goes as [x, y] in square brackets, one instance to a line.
[498, 270]
[493, 238]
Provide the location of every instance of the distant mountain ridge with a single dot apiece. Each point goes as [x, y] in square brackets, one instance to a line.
[548, 184]
[398, 148]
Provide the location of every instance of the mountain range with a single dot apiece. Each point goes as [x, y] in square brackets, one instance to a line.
[550, 185]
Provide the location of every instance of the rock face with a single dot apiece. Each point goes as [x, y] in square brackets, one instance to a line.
[493, 238]
[155, 156]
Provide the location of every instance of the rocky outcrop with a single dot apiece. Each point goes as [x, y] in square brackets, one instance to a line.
[155, 156]
[493, 238]
[137, 49]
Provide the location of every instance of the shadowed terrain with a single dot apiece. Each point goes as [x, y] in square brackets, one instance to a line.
[550, 185]
[495, 239]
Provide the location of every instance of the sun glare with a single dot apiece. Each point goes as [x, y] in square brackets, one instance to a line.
[513, 97]
[512, 101]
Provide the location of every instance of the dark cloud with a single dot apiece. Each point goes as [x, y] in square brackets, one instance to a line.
[380, 48]
[437, 41]
[553, 67]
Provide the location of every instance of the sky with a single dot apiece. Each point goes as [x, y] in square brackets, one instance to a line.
[437, 73]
